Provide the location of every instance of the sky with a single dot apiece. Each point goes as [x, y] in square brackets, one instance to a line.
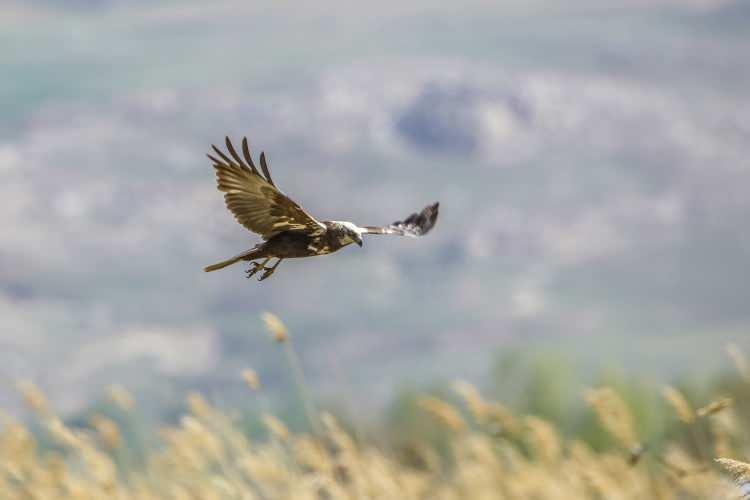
[591, 160]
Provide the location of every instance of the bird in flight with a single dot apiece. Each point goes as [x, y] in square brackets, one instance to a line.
[288, 230]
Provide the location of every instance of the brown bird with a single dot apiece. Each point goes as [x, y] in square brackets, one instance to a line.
[288, 230]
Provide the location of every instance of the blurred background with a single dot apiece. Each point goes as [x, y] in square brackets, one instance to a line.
[590, 157]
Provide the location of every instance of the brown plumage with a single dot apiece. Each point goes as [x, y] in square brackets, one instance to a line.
[288, 230]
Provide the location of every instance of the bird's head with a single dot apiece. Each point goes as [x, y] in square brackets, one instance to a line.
[350, 233]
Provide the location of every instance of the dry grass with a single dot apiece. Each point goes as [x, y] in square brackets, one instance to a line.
[491, 454]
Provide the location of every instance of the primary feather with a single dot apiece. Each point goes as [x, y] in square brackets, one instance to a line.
[417, 224]
[254, 200]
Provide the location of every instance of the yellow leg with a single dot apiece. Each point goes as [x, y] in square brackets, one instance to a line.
[256, 267]
[269, 271]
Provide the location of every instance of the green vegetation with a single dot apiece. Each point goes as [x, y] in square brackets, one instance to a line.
[534, 432]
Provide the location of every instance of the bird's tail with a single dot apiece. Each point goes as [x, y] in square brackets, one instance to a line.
[248, 255]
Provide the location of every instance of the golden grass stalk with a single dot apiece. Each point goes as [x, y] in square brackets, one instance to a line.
[279, 333]
[107, 431]
[741, 470]
[472, 399]
[720, 431]
[442, 412]
[501, 419]
[494, 415]
[714, 407]
[33, 397]
[679, 404]
[613, 415]
[740, 361]
[120, 397]
[197, 405]
[685, 413]
[275, 327]
[276, 427]
[251, 379]
[62, 434]
[741, 473]
[207, 456]
[544, 439]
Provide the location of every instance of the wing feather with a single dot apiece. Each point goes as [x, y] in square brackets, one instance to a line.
[253, 199]
[234, 154]
[248, 156]
[264, 167]
[416, 224]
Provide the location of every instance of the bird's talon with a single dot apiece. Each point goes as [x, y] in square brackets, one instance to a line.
[256, 267]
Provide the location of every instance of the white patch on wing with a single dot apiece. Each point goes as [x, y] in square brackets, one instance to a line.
[351, 226]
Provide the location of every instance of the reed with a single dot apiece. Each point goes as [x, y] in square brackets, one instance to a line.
[206, 454]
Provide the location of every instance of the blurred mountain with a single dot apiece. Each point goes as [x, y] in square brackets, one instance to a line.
[591, 164]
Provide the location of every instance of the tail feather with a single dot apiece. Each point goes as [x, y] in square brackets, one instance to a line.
[248, 255]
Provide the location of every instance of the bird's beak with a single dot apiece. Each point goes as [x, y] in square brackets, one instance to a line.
[359, 242]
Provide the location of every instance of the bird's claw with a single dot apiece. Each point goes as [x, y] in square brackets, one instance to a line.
[261, 266]
[256, 267]
[267, 274]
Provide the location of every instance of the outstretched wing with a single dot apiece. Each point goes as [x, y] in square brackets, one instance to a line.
[254, 199]
[417, 224]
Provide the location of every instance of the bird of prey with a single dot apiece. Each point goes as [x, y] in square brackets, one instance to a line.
[288, 230]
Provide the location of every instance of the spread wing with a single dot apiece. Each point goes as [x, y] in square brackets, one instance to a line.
[417, 224]
[254, 199]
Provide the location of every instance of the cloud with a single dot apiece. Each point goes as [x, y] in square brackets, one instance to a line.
[188, 351]
[561, 185]
[441, 120]
[120, 195]
[9, 157]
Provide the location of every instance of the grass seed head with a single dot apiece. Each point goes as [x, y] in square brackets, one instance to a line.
[740, 361]
[198, 406]
[251, 379]
[544, 439]
[740, 471]
[442, 412]
[33, 397]
[614, 415]
[120, 397]
[62, 434]
[276, 427]
[472, 399]
[714, 407]
[275, 327]
[679, 404]
[107, 430]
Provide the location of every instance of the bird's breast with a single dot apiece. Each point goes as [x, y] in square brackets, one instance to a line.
[324, 244]
[319, 248]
